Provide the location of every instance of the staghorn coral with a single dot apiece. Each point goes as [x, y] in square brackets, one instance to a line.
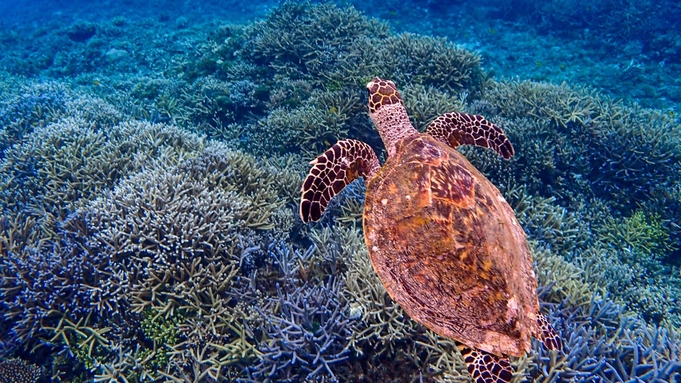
[600, 339]
[307, 65]
[169, 240]
[40, 288]
[194, 224]
[665, 201]
[306, 329]
[428, 61]
[27, 106]
[641, 284]
[325, 117]
[427, 103]
[547, 222]
[566, 136]
[308, 129]
[58, 167]
[601, 343]
[640, 233]
[303, 39]
[335, 49]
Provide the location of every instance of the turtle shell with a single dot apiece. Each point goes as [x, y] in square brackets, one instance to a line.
[449, 250]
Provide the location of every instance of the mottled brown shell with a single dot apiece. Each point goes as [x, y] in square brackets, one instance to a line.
[449, 249]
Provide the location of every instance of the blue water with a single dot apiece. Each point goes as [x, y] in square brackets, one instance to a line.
[152, 156]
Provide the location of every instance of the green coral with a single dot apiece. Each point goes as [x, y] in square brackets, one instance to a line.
[313, 61]
[302, 39]
[642, 233]
[571, 141]
[163, 330]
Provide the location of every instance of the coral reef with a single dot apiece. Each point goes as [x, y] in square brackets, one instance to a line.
[57, 167]
[169, 240]
[303, 40]
[568, 135]
[600, 339]
[612, 22]
[29, 106]
[640, 234]
[310, 63]
[18, 371]
[306, 333]
[192, 226]
[132, 248]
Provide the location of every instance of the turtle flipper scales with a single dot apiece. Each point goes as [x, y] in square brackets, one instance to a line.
[487, 368]
[332, 171]
[547, 334]
[456, 129]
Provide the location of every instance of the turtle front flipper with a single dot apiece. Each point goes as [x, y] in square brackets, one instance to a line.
[547, 334]
[332, 171]
[456, 129]
[485, 367]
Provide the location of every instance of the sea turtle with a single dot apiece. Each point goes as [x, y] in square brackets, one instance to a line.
[441, 237]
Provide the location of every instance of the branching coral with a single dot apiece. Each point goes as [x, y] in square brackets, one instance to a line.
[545, 221]
[28, 107]
[599, 342]
[319, 57]
[641, 233]
[307, 330]
[58, 167]
[168, 240]
[301, 39]
[425, 104]
[599, 338]
[309, 129]
[640, 283]
[621, 150]
[146, 256]
[429, 61]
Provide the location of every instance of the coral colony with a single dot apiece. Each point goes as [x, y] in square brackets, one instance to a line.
[149, 185]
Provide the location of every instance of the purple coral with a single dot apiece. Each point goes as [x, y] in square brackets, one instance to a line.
[307, 331]
[600, 344]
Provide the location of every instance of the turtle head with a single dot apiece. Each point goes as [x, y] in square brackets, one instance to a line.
[387, 111]
[381, 93]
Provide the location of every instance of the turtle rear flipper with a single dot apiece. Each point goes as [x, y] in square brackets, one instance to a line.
[331, 172]
[456, 129]
[485, 367]
[547, 334]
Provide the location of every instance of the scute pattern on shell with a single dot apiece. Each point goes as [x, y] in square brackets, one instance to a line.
[449, 250]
